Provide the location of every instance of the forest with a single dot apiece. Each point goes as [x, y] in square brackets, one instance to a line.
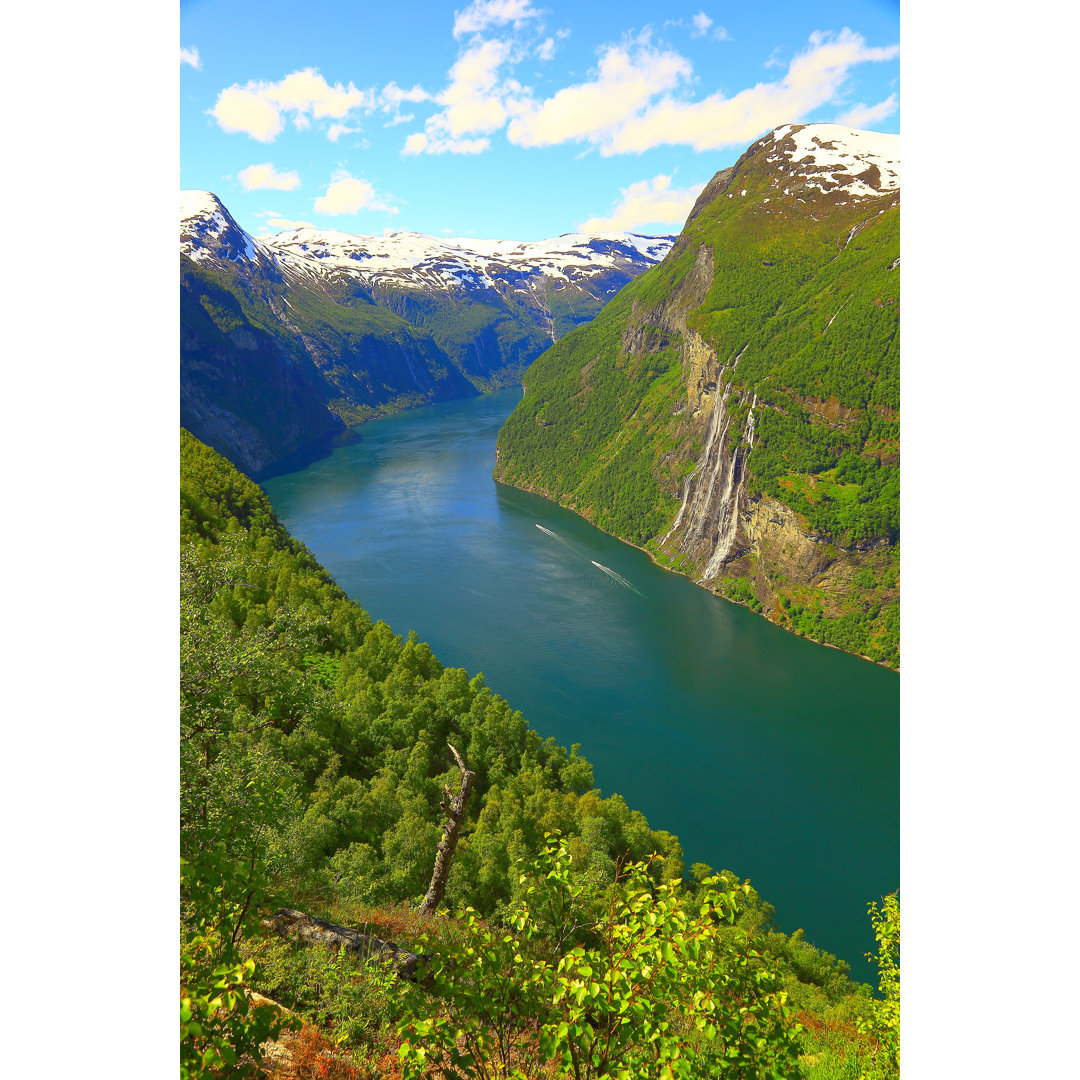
[572, 940]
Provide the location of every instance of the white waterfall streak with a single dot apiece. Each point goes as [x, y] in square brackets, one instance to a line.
[728, 512]
[714, 452]
[714, 424]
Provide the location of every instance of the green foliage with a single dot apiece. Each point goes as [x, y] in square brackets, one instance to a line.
[283, 677]
[349, 999]
[634, 981]
[220, 1030]
[741, 591]
[884, 1025]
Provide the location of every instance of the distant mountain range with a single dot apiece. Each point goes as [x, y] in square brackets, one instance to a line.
[290, 337]
[735, 410]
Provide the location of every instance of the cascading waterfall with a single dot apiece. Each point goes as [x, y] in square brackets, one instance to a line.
[728, 516]
[715, 421]
[711, 492]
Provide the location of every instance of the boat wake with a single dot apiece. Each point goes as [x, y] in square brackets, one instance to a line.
[555, 536]
[614, 576]
[617, 578]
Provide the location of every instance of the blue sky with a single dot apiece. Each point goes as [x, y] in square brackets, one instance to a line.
[515, 119]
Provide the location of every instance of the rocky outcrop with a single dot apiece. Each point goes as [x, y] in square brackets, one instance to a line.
[307, 930]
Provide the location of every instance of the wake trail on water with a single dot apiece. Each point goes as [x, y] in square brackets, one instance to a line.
[618, 578]
[614, 576]
[561, 539]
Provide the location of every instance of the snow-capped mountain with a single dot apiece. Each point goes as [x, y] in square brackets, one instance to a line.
[415, 260]
[561, 282]
[837, 160]
[209, 233]
[366, 325]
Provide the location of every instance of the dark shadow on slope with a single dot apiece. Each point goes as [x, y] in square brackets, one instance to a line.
[308, 454]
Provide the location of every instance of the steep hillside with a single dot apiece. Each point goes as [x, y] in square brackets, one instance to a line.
[289, 339]
[735, 410]
[269, 361]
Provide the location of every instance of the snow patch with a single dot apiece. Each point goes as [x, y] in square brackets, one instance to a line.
[831, 156]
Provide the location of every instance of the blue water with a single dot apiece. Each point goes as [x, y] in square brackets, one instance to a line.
[764, 753]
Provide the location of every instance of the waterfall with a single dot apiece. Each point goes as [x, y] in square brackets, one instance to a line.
[728, 516]
[715, 421]
[711, 492]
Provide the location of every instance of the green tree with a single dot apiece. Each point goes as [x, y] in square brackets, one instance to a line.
[636, 981]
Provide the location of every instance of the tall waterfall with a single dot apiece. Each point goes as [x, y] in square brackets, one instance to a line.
[708, 519]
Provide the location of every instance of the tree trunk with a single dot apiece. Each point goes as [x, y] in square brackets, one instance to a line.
[455, 811]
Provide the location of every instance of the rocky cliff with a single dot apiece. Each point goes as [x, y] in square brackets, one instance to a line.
[735, 410]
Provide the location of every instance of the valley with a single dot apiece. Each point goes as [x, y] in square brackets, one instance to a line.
[293, 337]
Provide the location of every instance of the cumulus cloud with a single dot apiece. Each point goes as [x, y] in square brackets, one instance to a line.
[481, 14]
[474, 104]
[346, 194]
[638, 97]
[191, 56]
[864, 116]
[259, 107]
[392, 96]
[266, 178]
[644, 203]
[546, 49]
[240, 110]
[276, 221]
[622, 110]
[628, 78]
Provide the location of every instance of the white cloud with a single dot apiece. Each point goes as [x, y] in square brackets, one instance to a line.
[546, 49]
[257, 107]
[481, 14]
[864, 116]
[191, 56]
[348, 195]
[307, 91]
[335, 131]
[392, 96]
[619, 111]
[701, 23]
[276, 221]
[419, 143]
[266, 177]
[644, 203]
[240, 110]
[474, 103]
[628, 78]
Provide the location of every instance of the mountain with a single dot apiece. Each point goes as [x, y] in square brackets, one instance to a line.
[492, 305]
[289, 338]
[270, 361]
[735, 410]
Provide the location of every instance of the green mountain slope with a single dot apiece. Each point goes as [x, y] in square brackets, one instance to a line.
[735, 410]
[269, 363]
[313, 759]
